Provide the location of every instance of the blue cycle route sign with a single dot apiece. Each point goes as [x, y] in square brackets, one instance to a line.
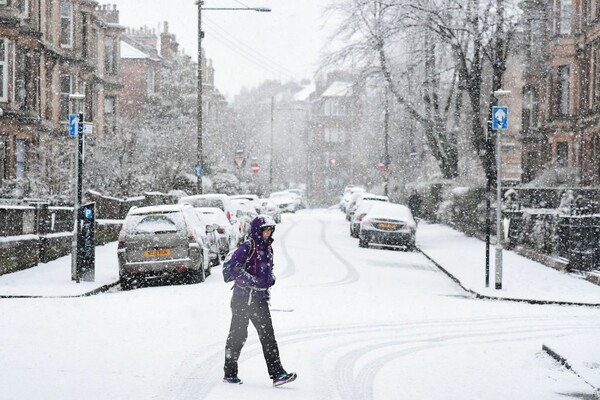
[198, 170]
[499, 118]
[73, 124]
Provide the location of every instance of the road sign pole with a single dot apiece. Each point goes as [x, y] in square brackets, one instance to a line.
[500, 119]
[498, 211]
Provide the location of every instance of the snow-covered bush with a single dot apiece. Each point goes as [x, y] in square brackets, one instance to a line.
[462, 209]
[225, 183]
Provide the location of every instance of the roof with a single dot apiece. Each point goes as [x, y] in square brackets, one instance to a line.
[304, 93]
[338, 89]
[130, 52]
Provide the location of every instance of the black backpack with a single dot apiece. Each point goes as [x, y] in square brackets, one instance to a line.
[226, 262]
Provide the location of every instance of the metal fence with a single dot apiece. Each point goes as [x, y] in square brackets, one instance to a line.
[579, 241]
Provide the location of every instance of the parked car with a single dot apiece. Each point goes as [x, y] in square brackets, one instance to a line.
[210, 236]
[244, 214]
[227, 237]
[358, 198]
[217, 200]
[358, 215]
[299, 197]
[347, 196]
[162, 243]
[388, 224]
[221, 201]
[268, 207]
[286, 201]
[252, 199]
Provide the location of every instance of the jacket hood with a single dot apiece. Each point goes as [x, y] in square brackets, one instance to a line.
[257, 224]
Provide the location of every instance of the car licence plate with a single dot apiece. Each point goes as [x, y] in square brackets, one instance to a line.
[158, 253]
[386, 225]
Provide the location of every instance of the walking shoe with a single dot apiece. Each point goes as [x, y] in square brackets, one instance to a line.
[232, 379]
[284, 378]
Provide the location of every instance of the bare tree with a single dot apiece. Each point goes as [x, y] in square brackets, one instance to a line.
[374, 34]
[479, 33]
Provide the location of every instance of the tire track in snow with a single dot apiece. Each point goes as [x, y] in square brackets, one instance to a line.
[200, 375]
[360, 386]
[290, 265]
[352, 274]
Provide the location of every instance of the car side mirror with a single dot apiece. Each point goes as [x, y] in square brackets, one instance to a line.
[210, 228]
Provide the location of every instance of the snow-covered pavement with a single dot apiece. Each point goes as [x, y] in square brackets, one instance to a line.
[354, 323]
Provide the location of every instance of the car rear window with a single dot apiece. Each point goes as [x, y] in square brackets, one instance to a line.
[155, 223]
[197, 203]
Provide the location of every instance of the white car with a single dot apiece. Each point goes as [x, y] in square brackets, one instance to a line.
[251, 199]
[227, 234]
[358, 198]
[347, 197]
[245, 212]
[218, 200]
[388, 224]
[359, 214]
[269, 208]
[286, 201]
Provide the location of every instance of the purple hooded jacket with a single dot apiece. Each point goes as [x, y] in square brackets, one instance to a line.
[256, 279]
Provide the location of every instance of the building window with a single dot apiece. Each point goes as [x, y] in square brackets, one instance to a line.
[66, 88]
[20, 159]
[110, 115]
[2, 158]
[333, 134]
[563, 89]
[535, 38]
[24, 8]
[3, 69]
[562, 154]
[564, 9]
[110, 55]
[150, 81]
[530, 108]
[85, 26]
[66, 24]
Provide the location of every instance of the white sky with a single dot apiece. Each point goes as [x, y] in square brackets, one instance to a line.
[246, 47]
[354, 323]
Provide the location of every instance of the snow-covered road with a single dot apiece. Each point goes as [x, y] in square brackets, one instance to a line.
[353, 323]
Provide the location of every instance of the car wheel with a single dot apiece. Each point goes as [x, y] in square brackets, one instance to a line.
[362, 243]
[201, 273]
[125, 282]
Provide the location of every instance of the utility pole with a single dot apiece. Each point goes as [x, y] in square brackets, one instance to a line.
[386, 152]
[199, 168]
[272, 143]
[199, 157]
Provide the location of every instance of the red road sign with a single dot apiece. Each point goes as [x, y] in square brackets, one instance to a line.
[254, 167]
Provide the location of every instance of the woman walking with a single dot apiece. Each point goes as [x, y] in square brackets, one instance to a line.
[251, 266]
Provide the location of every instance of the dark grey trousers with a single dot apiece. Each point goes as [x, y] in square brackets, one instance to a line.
[258, 312]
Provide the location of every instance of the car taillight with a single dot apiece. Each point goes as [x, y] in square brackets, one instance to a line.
[228, 216]
[121, 240]
[221, 229]
[191, 235]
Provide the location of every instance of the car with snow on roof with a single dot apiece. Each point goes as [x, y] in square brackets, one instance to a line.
[162, 243]
[388, 224]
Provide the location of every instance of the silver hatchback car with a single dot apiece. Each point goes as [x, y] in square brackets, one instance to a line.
[162, 243]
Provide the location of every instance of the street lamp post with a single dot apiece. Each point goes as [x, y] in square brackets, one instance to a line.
[199, 153]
